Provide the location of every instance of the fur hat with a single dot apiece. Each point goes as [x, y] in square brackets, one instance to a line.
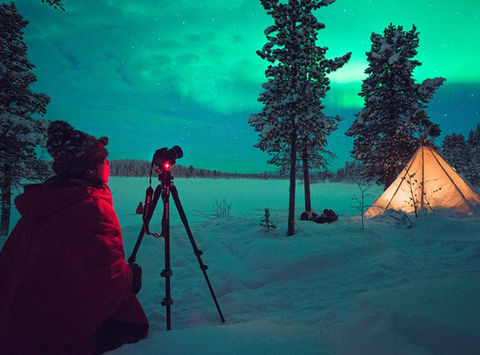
[74, 152]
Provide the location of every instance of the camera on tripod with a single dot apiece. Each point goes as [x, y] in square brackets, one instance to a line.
[165, 158]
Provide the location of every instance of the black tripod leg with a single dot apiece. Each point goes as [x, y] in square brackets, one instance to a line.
[196, 251]
[150, 209]
[133, 256]
[167, 272]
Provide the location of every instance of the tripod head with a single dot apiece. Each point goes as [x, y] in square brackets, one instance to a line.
[165, 176]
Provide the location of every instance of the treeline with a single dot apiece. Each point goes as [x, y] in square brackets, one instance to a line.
[352, 172]
[464, 154]
[141, 168]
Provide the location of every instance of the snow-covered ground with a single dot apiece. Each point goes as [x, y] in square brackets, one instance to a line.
[329, 289]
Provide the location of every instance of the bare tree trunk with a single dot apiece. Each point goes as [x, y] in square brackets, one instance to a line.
[306, 181]
[6, 201]
[291, 196]
[389, 177]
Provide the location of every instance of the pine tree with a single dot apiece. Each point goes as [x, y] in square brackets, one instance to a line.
[473, 143]
[266, 223]
[20, 134]
[292, 118]
[55, 3]
[454, 151]
[394, 110]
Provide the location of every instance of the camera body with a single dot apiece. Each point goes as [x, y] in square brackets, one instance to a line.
[165, 158]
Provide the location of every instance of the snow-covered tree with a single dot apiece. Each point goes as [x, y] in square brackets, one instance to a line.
[394, 110]
[20, 134]
[292, 121]
[455, 152]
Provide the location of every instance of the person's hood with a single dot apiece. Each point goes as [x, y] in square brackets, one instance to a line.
[42, 200]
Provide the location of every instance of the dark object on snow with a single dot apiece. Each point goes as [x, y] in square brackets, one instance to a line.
[321, 219]
[308, 216]
[63, 273]
[74, 152]
[328, 216]
[139, 208]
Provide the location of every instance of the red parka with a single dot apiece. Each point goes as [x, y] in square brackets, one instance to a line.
[63, 271]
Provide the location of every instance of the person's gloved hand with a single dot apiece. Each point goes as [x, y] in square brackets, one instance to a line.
[137, 277]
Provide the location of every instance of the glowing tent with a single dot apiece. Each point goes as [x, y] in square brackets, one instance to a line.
[426, 182]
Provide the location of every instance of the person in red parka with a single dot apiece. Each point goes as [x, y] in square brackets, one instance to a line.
[65, 285]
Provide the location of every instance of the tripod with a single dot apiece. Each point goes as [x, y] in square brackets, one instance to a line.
[164, 190]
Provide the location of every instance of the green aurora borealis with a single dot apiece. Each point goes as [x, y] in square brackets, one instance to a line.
[154, 73]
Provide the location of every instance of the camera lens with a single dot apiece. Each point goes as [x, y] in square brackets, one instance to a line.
[176, 152]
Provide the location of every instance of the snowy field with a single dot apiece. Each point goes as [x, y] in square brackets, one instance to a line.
[329, 289]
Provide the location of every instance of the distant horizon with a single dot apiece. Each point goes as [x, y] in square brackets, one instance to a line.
[182, 166]
[150, 74]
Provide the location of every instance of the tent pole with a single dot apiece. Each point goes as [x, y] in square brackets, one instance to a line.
[423, 177]
[453, 182]
[407, 169]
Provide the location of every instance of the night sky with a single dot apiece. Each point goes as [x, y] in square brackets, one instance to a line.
[155, 73]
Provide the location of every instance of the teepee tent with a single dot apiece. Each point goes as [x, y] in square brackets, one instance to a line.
[428, 182]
